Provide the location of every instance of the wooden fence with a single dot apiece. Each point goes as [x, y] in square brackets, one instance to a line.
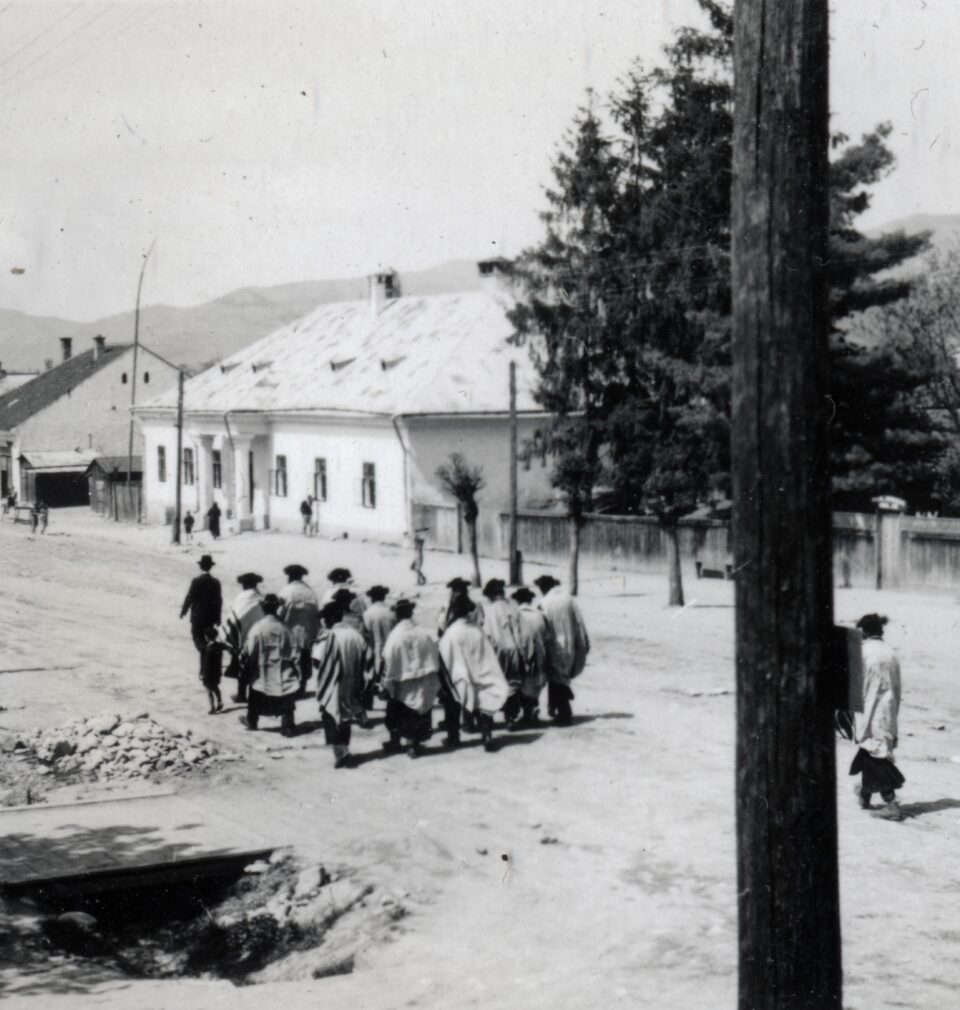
[115, 500]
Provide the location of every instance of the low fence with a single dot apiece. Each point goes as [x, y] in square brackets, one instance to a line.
[883, 550]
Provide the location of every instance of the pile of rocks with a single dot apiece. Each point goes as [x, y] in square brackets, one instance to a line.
[110, 745]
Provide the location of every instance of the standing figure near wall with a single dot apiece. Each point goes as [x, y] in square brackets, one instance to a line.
[213, 521]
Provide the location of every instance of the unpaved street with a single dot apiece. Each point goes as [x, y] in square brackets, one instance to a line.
[581, 867]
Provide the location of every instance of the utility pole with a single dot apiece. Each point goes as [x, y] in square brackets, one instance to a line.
[789, 922]
[514, 554]
[176, 517]
[136, 349]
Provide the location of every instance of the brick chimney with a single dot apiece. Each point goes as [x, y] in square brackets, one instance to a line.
[66, 348]
[99, 345]
[383, 286]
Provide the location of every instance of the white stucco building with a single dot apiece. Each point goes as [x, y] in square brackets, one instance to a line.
[357, 404]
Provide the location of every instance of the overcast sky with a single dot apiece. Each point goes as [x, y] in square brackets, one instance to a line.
[263, 142]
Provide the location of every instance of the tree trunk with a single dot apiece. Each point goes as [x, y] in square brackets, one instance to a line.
[788, 887]
[672, 533]
[574, 557]
[472, 525]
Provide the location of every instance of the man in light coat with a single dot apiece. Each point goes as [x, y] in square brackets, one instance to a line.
[569, 646]
[533, 638]
[300, 612]
[271, 669]
[243, 614]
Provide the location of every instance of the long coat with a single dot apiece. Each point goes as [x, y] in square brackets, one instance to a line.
[569, 641]
[204, 601]
[876, 726]
[271, 666]
[411, 667]
[300, 612]
[500, 621]
[243, 614]
[379, 621]
[472, 666]
[340, 656]
[533, 637]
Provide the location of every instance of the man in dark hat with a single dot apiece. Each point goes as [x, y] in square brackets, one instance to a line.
[379, 620]
[569, 645]
[339, 578]
[500, 627]
[213, 521]
[474, 673]
[340, 657]
[204, 602]
[244, 613]
[533, 639]
[876, 727]
[300, 612]
[411, 681]
[271, 669]
[458, 588]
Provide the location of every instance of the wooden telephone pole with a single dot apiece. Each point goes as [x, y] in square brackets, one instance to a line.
[133, 384]
[179, 463]
[789, 923]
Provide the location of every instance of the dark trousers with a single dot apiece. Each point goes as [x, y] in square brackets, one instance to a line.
[337, 735]
[261, 704]
[559, 697]
[451, 714]
[403, 722]
[306, 669]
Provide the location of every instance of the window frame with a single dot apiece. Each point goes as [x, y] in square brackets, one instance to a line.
[161, 464]
[320, 471]
[216, 459]
[368, 485]
[280, 485]
[189, 467]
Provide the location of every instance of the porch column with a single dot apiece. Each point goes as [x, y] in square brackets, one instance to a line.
[241, 479]
[204, 473]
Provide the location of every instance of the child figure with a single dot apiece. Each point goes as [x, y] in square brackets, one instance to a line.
[211, 665]
[44, 516]
[188, 522]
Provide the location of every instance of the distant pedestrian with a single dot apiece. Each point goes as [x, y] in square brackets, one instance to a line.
[339, 578]
[211, 669]
[569, 646]
[477, 682]
[306, 514]
[411, 681]
[10, 503]
[204, 603]
[876, 727]
[300, 612]
[340, 657]
[34, 517]
[271, 670]
[417, 564]
[213, 520]
[243, 614]
[44, 516]
[188, 522]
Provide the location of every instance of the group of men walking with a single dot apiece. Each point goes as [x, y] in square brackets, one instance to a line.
[488, 656]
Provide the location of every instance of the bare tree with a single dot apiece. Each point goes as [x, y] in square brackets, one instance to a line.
[463, 482]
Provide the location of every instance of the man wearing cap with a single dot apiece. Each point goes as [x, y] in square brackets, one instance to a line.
[458, 587]
[411, 681]
[271, 669]
[533, 639]
[473, 670]
[339, 578]
[340, 657]
[300, 612]
[204, 601]
[244, 613]
[569, 645]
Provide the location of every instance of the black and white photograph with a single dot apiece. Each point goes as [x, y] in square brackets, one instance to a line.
[480, 490]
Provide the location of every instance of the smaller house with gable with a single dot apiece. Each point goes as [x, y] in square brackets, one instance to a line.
[52, 427]
[356, 404]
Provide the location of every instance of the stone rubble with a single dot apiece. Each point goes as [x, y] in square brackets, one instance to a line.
[113, 746]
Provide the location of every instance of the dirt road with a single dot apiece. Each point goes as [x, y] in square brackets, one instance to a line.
[580, 867]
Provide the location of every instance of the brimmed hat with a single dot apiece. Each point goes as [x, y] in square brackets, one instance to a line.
[295, 571]
[344, 597]
[206, 562]
[461, 606]
[404, 605]
[872, 625]
[270, 604]
[331, 612]
[545, 583]
[339, 575]
[494, 588]
[249, 580]
[522, 595]
[377, 593]
[459, 584]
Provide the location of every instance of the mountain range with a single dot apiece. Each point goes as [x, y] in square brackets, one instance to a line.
[199, 335]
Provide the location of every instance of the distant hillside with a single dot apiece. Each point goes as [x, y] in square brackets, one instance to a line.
[201, 334]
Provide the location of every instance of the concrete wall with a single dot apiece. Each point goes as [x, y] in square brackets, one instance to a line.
[485, 442]
[96, 414]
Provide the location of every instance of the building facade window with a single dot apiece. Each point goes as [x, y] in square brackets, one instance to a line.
[369, 486]
[146, 378]
[320, 479]
[217, 468]
[188, 471]
[280, 477]
[123, 378]
[162, 464]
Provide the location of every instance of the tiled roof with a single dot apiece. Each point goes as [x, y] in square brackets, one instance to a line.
[111, 464]
[60, 460]
[22, 403]
[439, 354]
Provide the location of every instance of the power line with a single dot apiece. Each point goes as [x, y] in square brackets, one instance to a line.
[39, 35]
